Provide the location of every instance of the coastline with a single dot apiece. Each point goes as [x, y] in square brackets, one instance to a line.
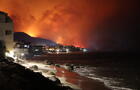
[82, 82]
[45, 70]
[17, 77]
[108, 77]
[72, 79]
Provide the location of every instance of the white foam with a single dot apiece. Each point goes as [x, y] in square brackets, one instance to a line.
[109, 82]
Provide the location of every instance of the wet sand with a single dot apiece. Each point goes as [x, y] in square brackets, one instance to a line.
[80, 81]
[83, 82]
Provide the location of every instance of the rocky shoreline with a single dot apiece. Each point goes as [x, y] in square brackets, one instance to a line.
[65, 73]
[29, 75]
[50, 71]
[16, 77]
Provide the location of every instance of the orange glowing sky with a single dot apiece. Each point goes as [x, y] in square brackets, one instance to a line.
[64, 21]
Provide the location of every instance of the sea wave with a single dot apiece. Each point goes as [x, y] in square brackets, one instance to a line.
[90, 72]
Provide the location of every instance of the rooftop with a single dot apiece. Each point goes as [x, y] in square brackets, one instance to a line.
[7, 19]
[1, 12]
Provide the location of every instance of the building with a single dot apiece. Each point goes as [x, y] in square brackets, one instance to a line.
[36, 50]
[21, 50]
[25, 50]
[6, 31]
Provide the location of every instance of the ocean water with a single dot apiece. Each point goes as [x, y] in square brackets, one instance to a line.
[117, 73]
[114, 78]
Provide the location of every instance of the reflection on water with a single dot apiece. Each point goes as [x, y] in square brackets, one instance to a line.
[119, 73]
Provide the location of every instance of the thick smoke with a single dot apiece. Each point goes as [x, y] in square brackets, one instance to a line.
[71, 22]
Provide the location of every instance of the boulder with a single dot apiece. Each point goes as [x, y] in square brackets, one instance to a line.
[34, 67]
[55, 80]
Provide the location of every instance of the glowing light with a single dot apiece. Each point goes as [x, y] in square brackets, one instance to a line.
[32, 31]
[85, 50]
[57, 50]
[51, 49]
[32, 34]
[10, 54]
[67, 50]
[59, 40]
[22, 54]
[57, 20]
[36, 50]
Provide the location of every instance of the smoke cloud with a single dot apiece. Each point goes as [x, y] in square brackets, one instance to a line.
[69, 22]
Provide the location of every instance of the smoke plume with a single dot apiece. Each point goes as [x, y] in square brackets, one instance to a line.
[69, 22]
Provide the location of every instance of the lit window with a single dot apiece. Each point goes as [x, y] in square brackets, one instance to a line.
[26, 46]
[36, 49]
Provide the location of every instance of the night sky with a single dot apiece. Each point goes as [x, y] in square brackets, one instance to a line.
[104, 25]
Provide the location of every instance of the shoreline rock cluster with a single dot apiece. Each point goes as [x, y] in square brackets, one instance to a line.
[16, 77]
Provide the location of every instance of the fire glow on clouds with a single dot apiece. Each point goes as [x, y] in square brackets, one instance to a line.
[70, 22]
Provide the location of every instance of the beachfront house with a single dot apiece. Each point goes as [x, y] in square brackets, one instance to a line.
[6, 32]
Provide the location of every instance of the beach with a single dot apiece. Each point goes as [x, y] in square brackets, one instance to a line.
[68, 78]
[118, 71]
[83, 82]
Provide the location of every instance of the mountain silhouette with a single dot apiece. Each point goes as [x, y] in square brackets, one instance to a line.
[23, 37]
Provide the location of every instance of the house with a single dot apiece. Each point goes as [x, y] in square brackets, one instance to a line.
[6, 31]
[37, 50]
[21, 50]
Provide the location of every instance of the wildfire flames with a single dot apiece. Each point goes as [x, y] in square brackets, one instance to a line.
[70, 22]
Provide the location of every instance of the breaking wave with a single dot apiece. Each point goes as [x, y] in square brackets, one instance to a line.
[90, 72]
